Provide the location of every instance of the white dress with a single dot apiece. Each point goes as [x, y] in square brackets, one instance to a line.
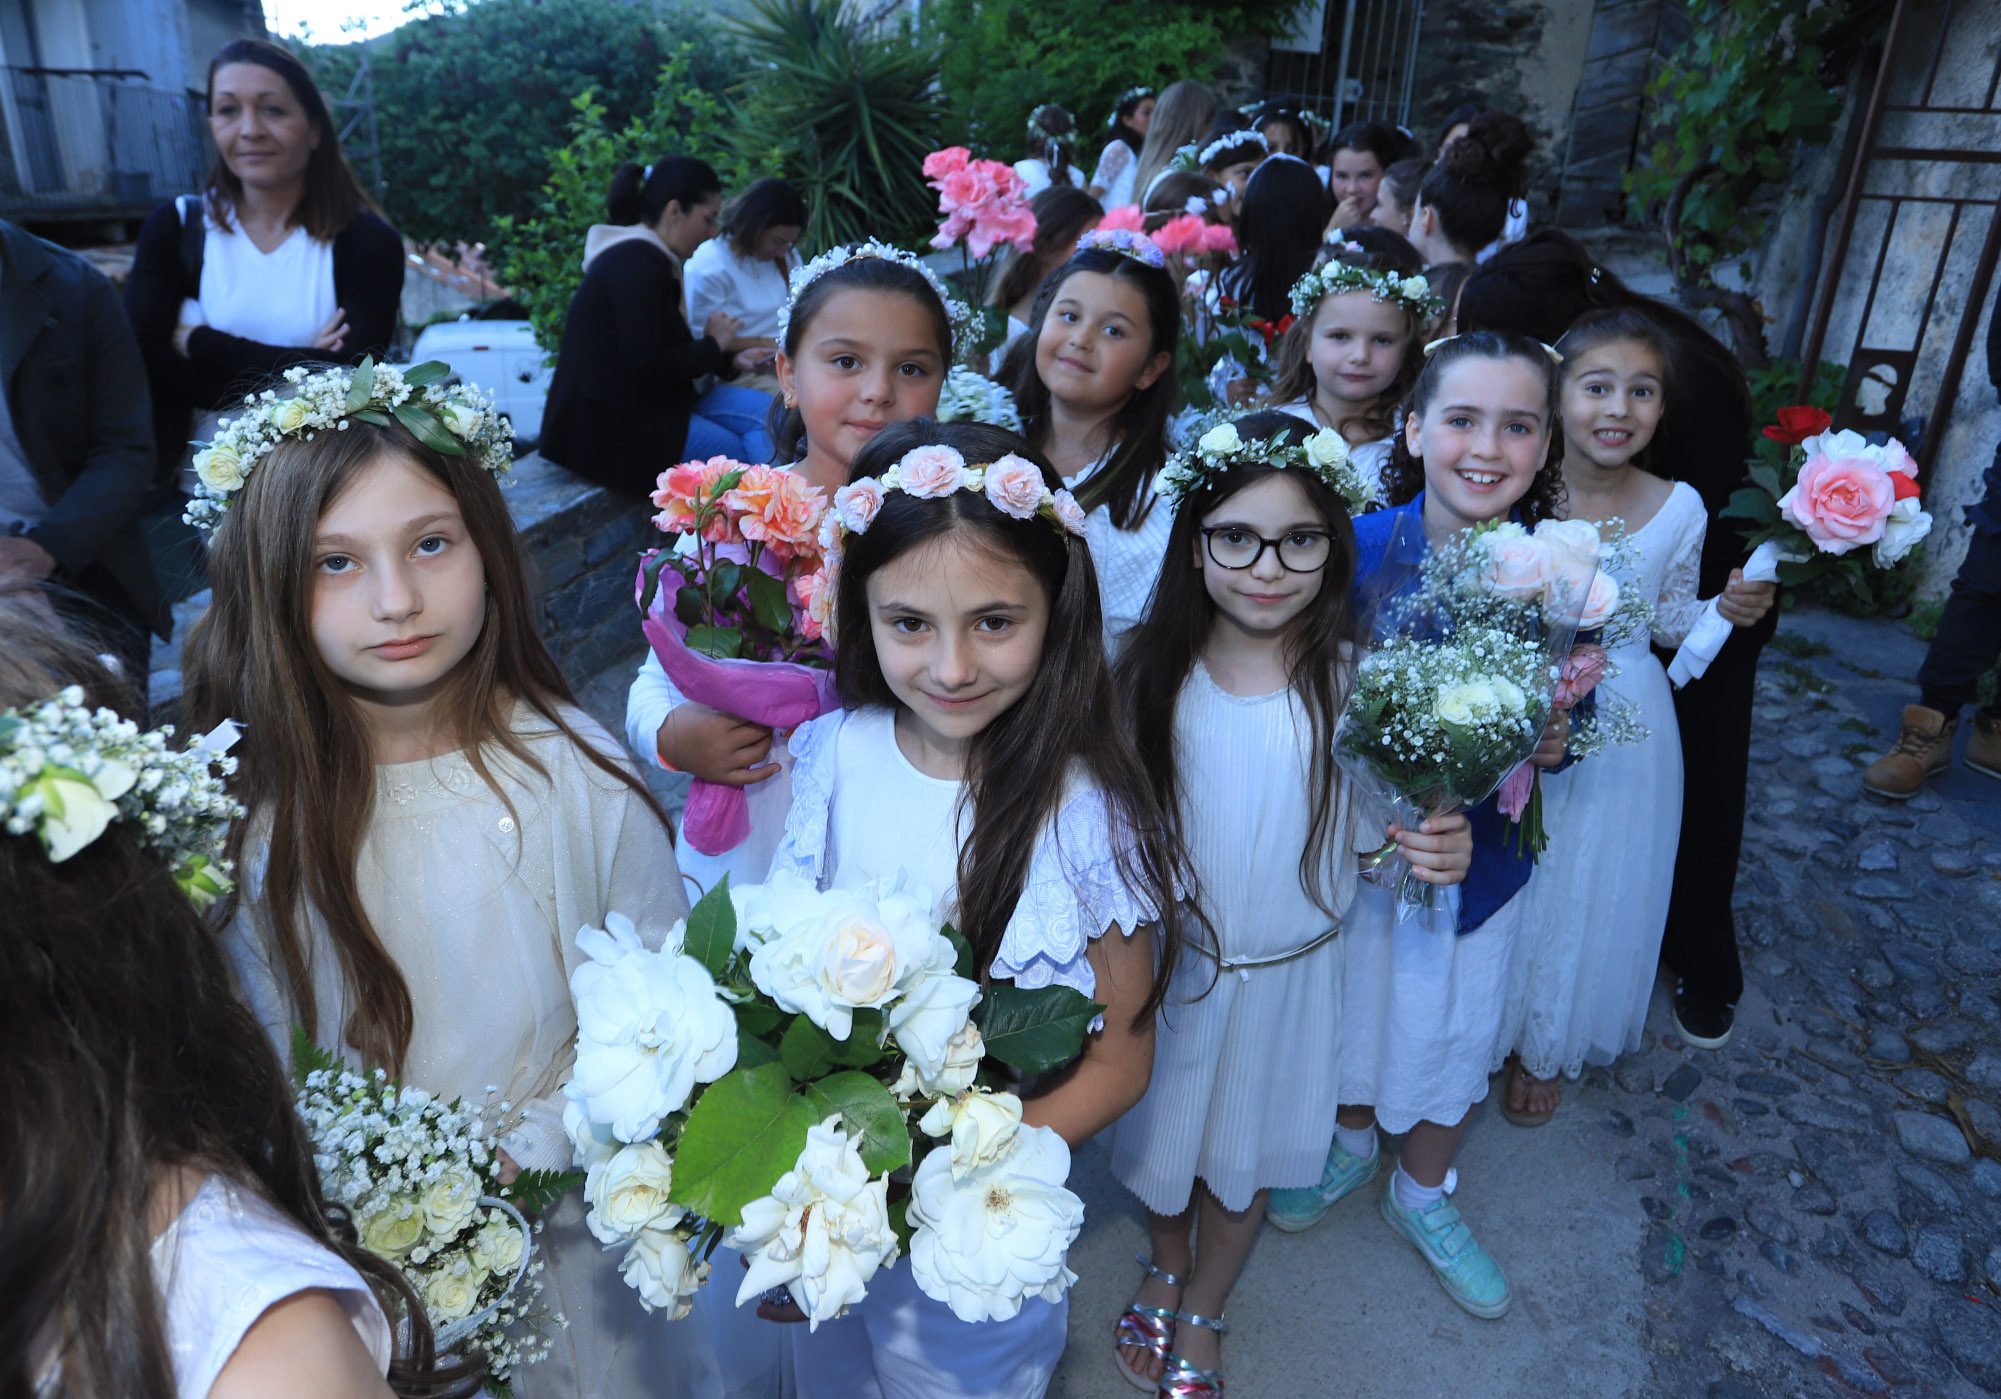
[480, 905]
[1035, 174]
[1117, 168]
[1598, 904]
[226, 1259]
[1127, 560]
[1244, 1061]
[1372, 459]
[900, 1343]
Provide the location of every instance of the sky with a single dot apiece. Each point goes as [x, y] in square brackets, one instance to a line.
[327, 20]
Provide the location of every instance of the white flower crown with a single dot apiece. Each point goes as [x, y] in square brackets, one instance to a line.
[1229, 142]
[1325, 454]
[67, 772]
[971, 397]
[1411, 293]
[958, 312]
[457, 420]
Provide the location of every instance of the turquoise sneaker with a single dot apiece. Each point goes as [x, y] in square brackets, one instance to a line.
[1300, 1209]
[1467, 1272]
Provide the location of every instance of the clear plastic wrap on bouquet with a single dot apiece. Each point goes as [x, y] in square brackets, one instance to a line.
[1467, 639]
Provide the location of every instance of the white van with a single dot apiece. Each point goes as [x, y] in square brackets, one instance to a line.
[500, 357]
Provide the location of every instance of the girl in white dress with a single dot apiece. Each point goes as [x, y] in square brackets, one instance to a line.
[1591, 937]
[981, 758]
[1113, 180]
[431, 820]
[1050, 156]
[865, 341]
[1354, 351]
[1094, 379]
[1235, 684]
[165, 1232]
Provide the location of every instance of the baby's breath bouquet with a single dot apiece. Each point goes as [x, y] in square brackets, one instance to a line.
[420, 1177]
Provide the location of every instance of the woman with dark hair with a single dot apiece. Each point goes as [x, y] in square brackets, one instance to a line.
[625, 403]
[1285, 131]
[281, 260]
[1049, 150]
[1112, 181]
[1396, 195]
[1179, 119]
[162, 1231]
[743, 270]
[1357, 156]
[1539, 287]
[1278, 229]
[1062, 216]
[1465, 199]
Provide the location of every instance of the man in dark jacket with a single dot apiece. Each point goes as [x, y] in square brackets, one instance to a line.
[76, 444]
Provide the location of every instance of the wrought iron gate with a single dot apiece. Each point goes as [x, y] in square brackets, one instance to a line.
[1349, 60]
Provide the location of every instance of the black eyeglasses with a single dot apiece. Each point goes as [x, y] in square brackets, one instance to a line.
[1302, 551]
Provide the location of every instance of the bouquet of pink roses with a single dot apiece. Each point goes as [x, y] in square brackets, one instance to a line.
[735, 628]
[983, 205]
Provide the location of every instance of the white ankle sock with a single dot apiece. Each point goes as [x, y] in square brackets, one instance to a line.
[1411, 1195]
[1359, 1142]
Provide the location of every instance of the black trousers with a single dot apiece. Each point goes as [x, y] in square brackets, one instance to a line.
[1969, 631]
[1714, 715]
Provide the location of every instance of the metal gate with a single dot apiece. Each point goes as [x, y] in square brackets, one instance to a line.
[1926, 182]
[1349, 60]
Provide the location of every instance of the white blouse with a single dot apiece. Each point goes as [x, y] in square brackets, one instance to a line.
[1117, 168]
[283, 297]
[479, 901]
[1127, 560]
[752, 290]
[1036, 174]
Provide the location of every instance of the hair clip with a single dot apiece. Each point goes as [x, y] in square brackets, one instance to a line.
[1555, 355]
[1433, 348]
[646, 174]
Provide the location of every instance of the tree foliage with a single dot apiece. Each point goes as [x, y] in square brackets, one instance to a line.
[1004, 58]
[470, 103]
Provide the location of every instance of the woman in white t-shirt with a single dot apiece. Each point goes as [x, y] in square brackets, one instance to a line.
[744, 270]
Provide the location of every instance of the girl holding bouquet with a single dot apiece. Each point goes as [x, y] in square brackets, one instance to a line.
[1423, 998]
[431, 817]
[865, 341]
[1244, 665]
[980, 757]
[1591, 937]
[1094, 379]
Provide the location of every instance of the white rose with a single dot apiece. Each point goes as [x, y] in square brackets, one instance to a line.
[822, 1231]
[960, 1065]
[499, 1245]
[448, 1202]
[1220, 440]
[462, 422]
[220, 467]
[1908, 523]
[76, 809]
[663, 1272]
[650, 1026]
[1513, 701]
[593, 1140]
[393, 1230]
[1573, 539]
[997, 1235]
[826, 955]
[1453, 706]
[1326, 448]
[1845, 443]
[1484, 700]
[982, 1127]
[450, 1295]
[627, 1193]
[290, 415]
[932, 1013]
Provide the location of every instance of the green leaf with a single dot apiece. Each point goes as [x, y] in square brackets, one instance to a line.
[899, 1220]
[752, 1052]
[650, 567]
[723, 643]
[867, 1109]
[808, 1050]
[744, 1132]
[767, 601]
[759, 1017]
[711, 931]
[1034, 1030]
[429, 372]
[308, 1057]
[690, 606]
[966, 966]
[370, 416]
[725, 578]
[534, 1192]
[863, 1046]
[428, 430]
[361, 387]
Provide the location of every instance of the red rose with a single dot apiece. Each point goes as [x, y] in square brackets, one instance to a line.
[1798, 423]
[1905, 487]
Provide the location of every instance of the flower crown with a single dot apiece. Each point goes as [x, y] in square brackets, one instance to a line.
[1229, 142]
[457, 420]
[1325, 454]
[1411, 293]
[1126, 241]
[1131, 94]
[960, 314]
[67, 772]
[1035, 128]
[1012, 484]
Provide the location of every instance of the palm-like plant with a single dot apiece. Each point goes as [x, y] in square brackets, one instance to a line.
[845, 111]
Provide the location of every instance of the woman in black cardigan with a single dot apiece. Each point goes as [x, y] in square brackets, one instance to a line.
[1538, 287]
[280, 260]
[623, 405]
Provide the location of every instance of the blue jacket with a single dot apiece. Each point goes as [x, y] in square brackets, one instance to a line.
[1497, 873]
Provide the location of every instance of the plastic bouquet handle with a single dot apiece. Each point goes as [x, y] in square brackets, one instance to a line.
[1705, 639]
[453, 1332]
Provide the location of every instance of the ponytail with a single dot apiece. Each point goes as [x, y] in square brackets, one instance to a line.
[1474, 178]
[641, 194]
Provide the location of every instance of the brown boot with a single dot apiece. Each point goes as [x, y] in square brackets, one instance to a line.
[1983, 745]
[1923, 748]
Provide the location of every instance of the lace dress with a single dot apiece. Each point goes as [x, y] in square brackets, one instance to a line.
[1596, 909]
[1127, 561]
[1117, 168]
[862, 811]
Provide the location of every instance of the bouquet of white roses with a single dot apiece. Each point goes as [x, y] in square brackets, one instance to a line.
[420, 1177]
[818, 1076]
[971, 397]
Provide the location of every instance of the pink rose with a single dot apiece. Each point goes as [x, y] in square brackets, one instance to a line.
[830, 535]
[787, 518]
[1125, 216]
[1573, 540]
[941, 163]
[1219, 238]
[1583, 668]
[1015, 487]
[1841, 502]
[1518, 566]
[1516, 789]
[967, 187]
[1179, 235]
[816, 601]
[1069, 513]
[1601, 600]
[856, 503]
[930, 472]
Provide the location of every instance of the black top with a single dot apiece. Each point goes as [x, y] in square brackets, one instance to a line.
[220, 368]
[1705, 439]
[624, 385]
[77, 390]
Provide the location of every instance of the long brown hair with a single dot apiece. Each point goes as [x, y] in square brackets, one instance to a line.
[124, 1055]
[1161, 651]
[333, 197]
[305, 770]
[1296, 380]
[1018, 767]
